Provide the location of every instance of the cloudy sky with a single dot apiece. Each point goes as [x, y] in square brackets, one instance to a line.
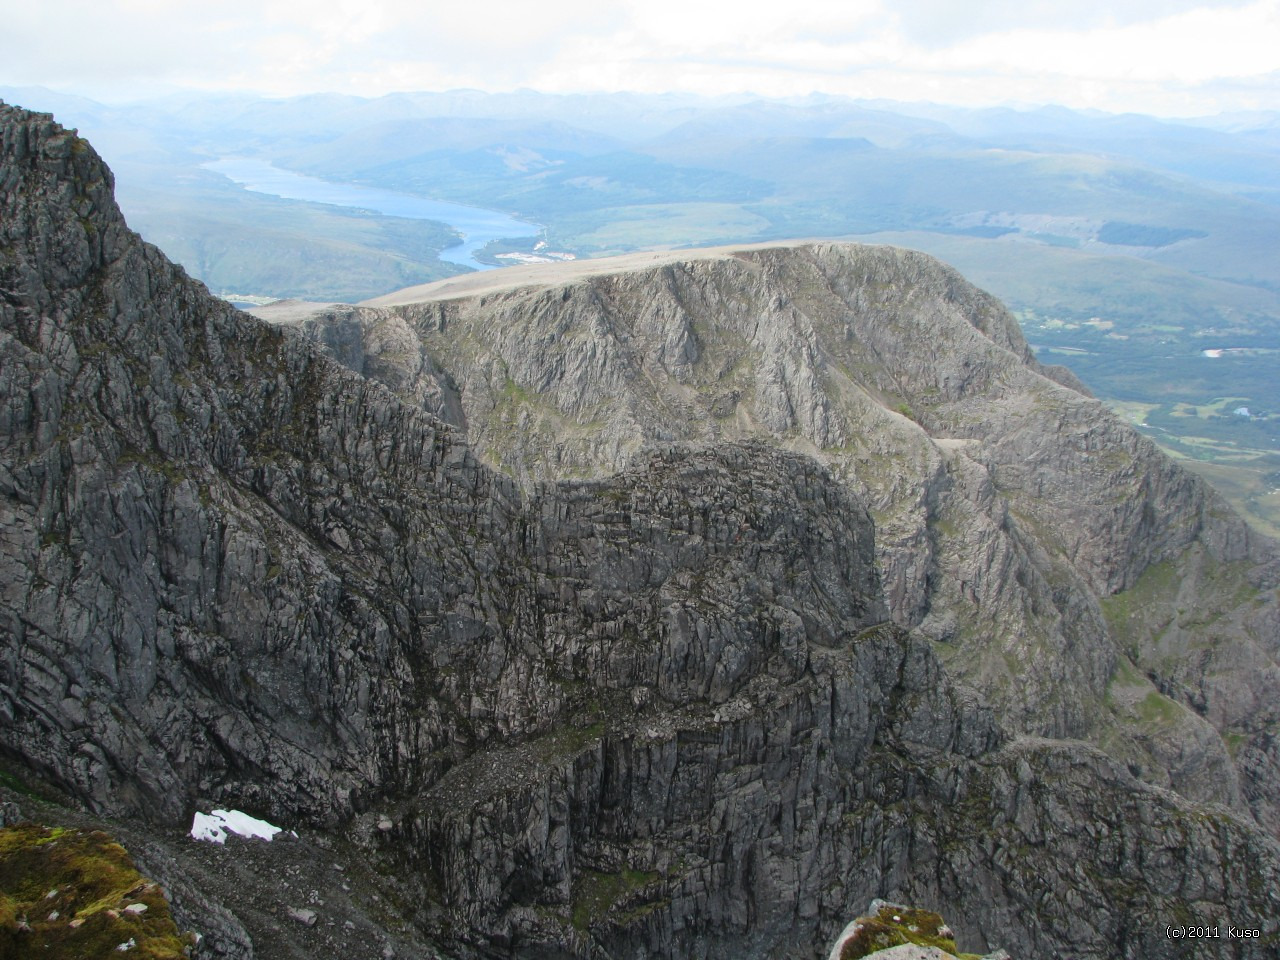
[1166, 57]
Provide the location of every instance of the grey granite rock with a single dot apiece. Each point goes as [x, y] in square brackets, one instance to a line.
[1081, 581]
[10, 813]
[689, 706]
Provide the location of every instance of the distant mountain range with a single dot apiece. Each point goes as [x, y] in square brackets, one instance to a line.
[1126, 245]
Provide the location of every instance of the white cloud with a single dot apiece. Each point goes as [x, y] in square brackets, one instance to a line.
[942, 23]
[1191, 47]
[1162, 56]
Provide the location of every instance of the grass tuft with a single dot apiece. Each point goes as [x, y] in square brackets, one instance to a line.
[64, 895]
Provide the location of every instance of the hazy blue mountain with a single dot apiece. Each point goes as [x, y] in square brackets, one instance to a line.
[1166, 233]
[1238, 159]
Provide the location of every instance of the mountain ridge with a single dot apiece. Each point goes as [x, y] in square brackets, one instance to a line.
[865, 357]
[662, 710]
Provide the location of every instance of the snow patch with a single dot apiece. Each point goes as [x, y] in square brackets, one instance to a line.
[215, 826]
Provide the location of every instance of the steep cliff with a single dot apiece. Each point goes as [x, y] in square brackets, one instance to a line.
[1080, 580]
[669, 710]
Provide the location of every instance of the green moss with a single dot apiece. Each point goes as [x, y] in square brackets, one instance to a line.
[567, 741]
[52, 834]
[945, 526]
[1129, 613]
[17, 784]
[153, 462]
[893, 926]
[1126, 675]
[1158, 710]
[63, 894]
[512, 392]
[596, 894]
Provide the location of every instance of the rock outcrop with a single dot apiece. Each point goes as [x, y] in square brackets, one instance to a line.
[689, 706]
[895, 931]
[1065, 568]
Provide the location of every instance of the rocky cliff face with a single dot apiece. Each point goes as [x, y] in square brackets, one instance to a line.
[1065, 568]
[689, 705]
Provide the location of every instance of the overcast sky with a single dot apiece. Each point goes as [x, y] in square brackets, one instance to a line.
[1166, 57]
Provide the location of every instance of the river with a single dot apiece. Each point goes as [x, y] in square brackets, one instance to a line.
[476, 225]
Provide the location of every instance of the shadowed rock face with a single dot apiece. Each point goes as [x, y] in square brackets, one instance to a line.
[666, 711]
[1066, 569]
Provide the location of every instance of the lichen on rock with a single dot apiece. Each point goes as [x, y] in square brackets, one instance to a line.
[893, 931]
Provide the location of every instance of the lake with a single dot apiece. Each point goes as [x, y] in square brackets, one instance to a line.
[477, 225]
